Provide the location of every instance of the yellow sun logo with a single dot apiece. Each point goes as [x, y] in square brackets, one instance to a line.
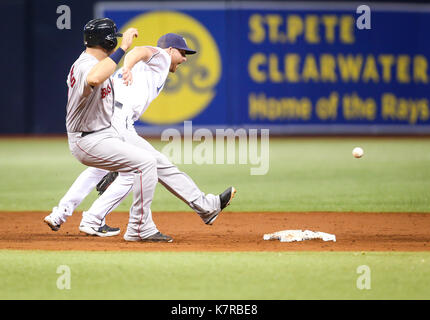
[191, 88]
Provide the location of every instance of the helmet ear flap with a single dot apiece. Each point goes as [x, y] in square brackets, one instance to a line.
[109, 44]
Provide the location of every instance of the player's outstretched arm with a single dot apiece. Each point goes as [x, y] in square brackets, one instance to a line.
[138, 54]
[133, 57]
[106, 67]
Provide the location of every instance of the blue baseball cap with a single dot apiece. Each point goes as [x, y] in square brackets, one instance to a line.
[175, 41]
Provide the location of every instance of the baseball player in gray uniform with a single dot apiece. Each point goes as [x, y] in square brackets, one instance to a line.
[138, 83]
[90, 106]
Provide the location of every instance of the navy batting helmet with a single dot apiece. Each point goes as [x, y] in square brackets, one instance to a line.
[101, 32]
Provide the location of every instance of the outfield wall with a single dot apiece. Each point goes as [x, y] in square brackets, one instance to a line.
[291, 67]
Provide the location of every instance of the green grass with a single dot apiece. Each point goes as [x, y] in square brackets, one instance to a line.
[304, 175]
[213, 276]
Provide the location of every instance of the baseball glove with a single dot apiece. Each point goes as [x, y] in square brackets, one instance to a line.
[106, 182]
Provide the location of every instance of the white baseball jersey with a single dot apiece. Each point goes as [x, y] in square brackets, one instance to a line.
[148, 81]
[88, 109]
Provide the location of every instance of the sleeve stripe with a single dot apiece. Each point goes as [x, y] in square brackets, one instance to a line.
[155, 54]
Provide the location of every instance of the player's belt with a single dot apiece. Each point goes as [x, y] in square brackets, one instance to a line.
[118, 104]
[83, 134]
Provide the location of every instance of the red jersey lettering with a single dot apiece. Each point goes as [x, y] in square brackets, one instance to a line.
[105, 91]
[72, 78]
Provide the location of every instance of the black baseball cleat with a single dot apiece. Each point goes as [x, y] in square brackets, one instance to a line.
[156, 237]
[104, 231]
[225, 199]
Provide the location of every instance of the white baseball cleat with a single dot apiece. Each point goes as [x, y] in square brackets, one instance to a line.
[51, 223]
[104, 231]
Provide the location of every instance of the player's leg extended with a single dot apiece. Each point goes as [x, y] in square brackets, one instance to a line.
[82, 186]
[207, 206]
[179, 183]
[109, 200]
[107, 151]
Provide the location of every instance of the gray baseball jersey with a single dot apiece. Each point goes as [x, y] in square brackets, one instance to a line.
[91, 110]
[88, 109]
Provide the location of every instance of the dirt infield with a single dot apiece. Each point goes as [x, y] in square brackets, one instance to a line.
[231, 232]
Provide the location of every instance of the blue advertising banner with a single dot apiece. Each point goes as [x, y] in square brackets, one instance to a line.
[293, 68]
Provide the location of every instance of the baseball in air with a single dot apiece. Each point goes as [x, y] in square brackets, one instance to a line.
[357, 152]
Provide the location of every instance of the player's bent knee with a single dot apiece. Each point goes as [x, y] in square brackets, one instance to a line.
[148, 163]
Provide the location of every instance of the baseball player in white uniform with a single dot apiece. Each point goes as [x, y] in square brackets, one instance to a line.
[138, 83]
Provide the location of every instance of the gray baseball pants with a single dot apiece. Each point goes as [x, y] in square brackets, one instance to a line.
[177, 182]
[106, 149]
